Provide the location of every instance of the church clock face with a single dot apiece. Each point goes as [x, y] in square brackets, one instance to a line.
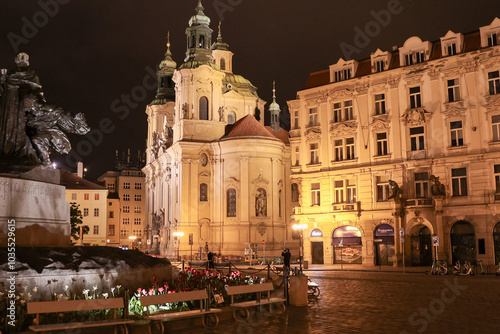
[203, 159]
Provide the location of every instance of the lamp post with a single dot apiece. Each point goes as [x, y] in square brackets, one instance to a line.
[178, 236]
[300, 228]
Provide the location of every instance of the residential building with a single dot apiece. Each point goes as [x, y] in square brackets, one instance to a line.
[405, 143]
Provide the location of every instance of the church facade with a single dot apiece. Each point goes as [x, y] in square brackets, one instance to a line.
[215, 175]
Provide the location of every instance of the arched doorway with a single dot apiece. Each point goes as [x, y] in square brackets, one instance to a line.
[421, 247]
[317, 246]
[347, 245]
[383, 242]
[463, 242]
[496, 241]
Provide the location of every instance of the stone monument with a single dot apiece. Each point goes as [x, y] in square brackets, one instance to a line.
[30, 190]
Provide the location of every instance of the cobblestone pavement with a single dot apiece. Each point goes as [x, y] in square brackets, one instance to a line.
[364, 302]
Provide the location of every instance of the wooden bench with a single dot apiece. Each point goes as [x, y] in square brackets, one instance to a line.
[241, 313]
[209, 316]
[77, 306]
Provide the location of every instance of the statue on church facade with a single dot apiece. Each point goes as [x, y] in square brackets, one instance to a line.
[261, 203]
[30, 128]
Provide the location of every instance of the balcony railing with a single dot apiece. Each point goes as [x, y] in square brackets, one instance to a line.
[419, 203]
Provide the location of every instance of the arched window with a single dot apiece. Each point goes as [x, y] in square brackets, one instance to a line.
[463, 242]
[203, 192]
[231, 117]
[223, 64]
[193, 41]
[295, 192]
[279, 204]
[202, 42]
[203, 108]
[231, 202]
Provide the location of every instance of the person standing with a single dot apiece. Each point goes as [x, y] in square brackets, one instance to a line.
[210, 258]
[286, 259]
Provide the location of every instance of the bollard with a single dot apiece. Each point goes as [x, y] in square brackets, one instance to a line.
[268, 272]
[229, 273]
[182, 265]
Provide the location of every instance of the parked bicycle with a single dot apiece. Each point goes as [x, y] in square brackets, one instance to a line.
[463, 270]
[439, 268]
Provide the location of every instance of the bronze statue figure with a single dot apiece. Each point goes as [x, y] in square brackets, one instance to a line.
[29, 127]
[395, 190]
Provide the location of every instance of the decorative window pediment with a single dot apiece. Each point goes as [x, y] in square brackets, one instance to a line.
[344, 128]
[380, 60]
[415, 117]
[341, 94]
[454, 110]
[414, 51]
[232, 182]
[492, 105]
[380, 122]
[313, 134]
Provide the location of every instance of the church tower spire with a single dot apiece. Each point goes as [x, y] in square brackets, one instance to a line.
[165, 91]
[199, 40]
[222, 55]
[274, 110]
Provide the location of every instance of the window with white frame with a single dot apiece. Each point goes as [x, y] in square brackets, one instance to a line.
[348, 112]
[313, 116]
[314, 150]
[137, 198]
[382, 188]
[315, 194]
[379, 104]
[341, 75]
[415, 57]
[231, 117]
[96, 212]
[421, 185]
[137, 209]
[111, 186]
[339, 191]
[382, 143]
[297, 156]
[417, 140]
[459, 181]
[126, 185]
[296, 120]
[73, 196]
[126, 209]
[126, 221]
[96, 229]
[123, 233]
[344, 149]
[495, 127]
[351, 195]
[138, 185]
[492, 39]
[453, 90]
[126, 197]
[86, 212]
[494, 82]
[496, 170]
[86, 197]
[379, 66]
[337, 112]
[419, 57]
[452, 49]
[415, 97]
[457, 135]
[137, 221]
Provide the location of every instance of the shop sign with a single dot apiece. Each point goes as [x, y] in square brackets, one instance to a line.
[384, 230]
[435, 240]
[316, 233]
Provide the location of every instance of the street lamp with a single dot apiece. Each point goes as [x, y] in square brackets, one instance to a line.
[178, 236]
[300, 228]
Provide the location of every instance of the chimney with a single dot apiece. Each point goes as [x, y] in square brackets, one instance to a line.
[128, 155]
[79, 171]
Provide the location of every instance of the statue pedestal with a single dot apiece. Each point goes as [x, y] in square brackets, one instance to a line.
[39, 209]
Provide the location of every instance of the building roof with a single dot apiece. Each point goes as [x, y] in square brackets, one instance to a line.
[472, 42]
[71, 181]
[249, 127]
[282, 135]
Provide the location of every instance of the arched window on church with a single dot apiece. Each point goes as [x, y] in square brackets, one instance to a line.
[193, 41]
[202, 42]
[203, 192]
[231, 117]
[231, 202]
[222, 64]
[203, 108]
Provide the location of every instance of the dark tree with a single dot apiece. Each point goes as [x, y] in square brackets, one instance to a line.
[76, 221]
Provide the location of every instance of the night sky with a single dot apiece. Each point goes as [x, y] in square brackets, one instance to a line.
[89, 54]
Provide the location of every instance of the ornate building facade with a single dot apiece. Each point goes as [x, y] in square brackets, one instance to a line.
[214, 172]
[403, 143]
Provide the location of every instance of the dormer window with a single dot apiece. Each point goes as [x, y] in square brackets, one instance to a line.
[380, 60]
[415, 58]
[414, 51]
[451, 43]
[490, 34]
[343, 70]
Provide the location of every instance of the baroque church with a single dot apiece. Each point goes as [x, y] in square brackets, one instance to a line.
[216, 176]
